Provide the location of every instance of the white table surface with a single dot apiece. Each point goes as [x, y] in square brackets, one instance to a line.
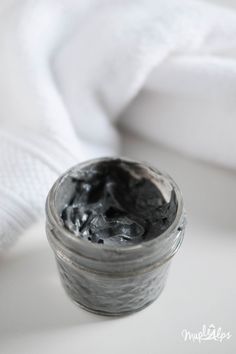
[37, 317]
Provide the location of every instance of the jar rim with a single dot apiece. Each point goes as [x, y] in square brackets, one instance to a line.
[56, 221]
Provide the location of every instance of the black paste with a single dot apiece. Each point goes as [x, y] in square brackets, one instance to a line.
[116, 203]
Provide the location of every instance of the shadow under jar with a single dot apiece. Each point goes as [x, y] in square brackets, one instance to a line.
[114, 224]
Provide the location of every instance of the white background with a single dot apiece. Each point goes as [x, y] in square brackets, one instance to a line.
[36, 316]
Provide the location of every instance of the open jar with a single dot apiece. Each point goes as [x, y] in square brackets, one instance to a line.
[114, 224]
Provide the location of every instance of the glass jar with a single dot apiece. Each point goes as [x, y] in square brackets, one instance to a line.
[107, 279]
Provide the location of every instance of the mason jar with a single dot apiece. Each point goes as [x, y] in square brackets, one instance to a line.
[105, 278]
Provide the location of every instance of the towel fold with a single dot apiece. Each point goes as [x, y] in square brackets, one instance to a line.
[71, 70]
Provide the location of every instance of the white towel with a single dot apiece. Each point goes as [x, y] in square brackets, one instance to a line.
[70, 69]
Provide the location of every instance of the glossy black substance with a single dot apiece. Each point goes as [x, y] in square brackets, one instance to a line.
[115, 202]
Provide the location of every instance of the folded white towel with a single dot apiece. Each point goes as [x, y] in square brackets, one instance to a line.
[69, 69]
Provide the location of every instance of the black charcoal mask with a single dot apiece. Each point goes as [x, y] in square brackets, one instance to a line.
[116, 202]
